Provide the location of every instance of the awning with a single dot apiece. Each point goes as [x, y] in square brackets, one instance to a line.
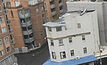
[82, 60]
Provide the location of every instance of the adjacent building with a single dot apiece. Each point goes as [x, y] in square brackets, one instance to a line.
[54, 8]
[101, 8]
[73, 39]
[27, 18]
[6, 49]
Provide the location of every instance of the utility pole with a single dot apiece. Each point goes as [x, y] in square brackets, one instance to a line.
[100, 55]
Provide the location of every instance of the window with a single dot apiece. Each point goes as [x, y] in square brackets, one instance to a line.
[72, 52]
[0, 42]
[61, 42]
[8, 49]
[63, 55]
[53, 55]
[85, 50]
[70, 40]
[3, 29]
[83, 37]
[58, 28]
[52, 43]
[42, 8]
[1, 19]
[43, 15]
[49, 29]
[78, 25]
[6, 39]
[37, 10]
[8, 4]
[0, 8]
[1, 53]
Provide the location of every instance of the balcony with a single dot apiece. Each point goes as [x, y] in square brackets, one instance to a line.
[60, 4]
[6, 11]
[11, 31]
[12, 41]
[17, 3]
[28, 23]
[22, 15]
[61, 11]
[28, 32]
[52, 5]
[53, 13]
[29, 40]
[8, 22]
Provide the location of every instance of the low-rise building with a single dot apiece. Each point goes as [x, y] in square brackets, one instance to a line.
[101, 8]
[73, 39]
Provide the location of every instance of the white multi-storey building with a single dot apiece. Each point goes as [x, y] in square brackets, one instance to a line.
[73, 39]
[101, 8]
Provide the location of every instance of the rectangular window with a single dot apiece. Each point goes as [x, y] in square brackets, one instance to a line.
[8, 4]
[1, 53]
[83, 37]
[78, 25]
[85, 50]
[0, 42]
[52, 43]
[3, 29]
[49, 29]
[70, 40]
[58, 28]
[63, 55]
[53, 55]
[72, 52]
[61, 42]
[1, 19]
[6, 39]
[0, 7]
[8, 49]
[37, 10]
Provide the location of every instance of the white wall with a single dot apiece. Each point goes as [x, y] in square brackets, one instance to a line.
[88, 23]
[92, 5]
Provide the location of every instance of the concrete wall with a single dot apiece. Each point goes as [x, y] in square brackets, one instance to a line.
[88, 23]
[91, 5]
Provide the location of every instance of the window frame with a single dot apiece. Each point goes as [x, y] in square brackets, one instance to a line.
[52, 42]
[53, 55]
[72, 52]
[70, 40]
[58, 29]
[61, 42]
[5, 39]
[63, 55]
[85, 50]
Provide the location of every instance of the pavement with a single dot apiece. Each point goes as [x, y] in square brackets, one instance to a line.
[36, 57]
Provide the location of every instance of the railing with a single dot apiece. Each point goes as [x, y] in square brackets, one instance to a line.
[12, 41]
[61, 11]
[8, 22]
[52, 5]
[27, 32]
[24, 15]
[29, 40]
[60, 4]
[28, 23]
[11, 31]
[54, 12]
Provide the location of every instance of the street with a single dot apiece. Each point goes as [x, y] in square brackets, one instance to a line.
[37, 57]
